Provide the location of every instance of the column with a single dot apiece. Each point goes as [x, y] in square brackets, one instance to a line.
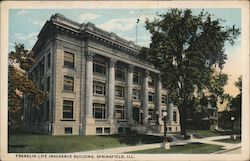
[129, 100]
[158, 98]
[145, 97]
[89, 85]
[111, 89]
[170, 112]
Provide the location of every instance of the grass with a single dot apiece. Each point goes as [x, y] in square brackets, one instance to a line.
[53, 144]
[230, 140]
[204, 133]
[193, 148]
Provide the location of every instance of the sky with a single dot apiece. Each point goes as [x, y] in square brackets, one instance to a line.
[25, 24]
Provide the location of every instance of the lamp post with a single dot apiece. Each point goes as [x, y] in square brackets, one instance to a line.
[233, 136]
[157, 117]
[141, 113]
[165, 144]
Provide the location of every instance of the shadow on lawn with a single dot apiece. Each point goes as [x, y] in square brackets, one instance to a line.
[136, 139]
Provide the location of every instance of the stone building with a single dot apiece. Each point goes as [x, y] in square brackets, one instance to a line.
[96, 84]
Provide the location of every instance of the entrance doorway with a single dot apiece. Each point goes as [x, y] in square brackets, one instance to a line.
[136, 114]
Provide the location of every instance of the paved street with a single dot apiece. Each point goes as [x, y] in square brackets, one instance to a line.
[207, 140]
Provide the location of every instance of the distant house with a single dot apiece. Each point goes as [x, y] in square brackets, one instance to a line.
[96, 83]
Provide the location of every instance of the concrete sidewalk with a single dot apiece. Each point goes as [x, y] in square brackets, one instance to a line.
[207, 140]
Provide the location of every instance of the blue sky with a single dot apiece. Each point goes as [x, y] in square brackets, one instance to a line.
[25, 24]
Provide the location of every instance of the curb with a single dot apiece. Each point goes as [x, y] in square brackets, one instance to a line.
[227, 150]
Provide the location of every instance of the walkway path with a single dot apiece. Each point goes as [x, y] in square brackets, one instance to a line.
[207, 140]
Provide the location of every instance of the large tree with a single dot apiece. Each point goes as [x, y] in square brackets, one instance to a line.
[188, 50]
[19, 85]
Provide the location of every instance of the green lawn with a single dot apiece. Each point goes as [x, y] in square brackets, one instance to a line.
[53, 144]
[196, 148]
[230, 140]
[203, 133]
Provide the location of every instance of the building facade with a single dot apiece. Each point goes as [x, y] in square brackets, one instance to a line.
[96, 84]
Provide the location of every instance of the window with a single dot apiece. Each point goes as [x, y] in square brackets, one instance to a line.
[164, 99]
[119, 112]
[68, 84]
[48, 60]
[151, 114]
[68, 60]
[119, 73]
[119, 91]
[137, 79]
[151, 82]
[68, 130]
[67, 109]
[174, 116]
[98, 130]
[99, 67]
[99, 111]
[47, 111]
[99, 88]
[136, 94]
[107, 130]
[151, 97]
[42, 68]
[48, 84]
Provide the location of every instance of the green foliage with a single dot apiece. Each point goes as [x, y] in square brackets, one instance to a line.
[188, 49]
[19, 85]
[235, 102]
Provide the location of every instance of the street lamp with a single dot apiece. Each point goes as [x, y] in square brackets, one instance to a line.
[233, 136]
[166, 145]
[157, 117]
[141, 113]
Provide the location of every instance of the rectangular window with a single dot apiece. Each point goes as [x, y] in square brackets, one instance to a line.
[174, 116]
[67, 109]
[98, 130]
[151, 82]
[120, 112]
[99, 111]
[136, 94]
[47, 111]
[68, 84]
[42, 68]
[151, 97]
[68, 60]
[48, 84]
[164, 99]
[99, 88]
[151, 113]
[119, 91]
[68, 130]
[106, 130]
[99, 67]
[48, 60]
[137, 78]
[119, 73]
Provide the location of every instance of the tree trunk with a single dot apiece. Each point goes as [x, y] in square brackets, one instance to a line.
[183, 114]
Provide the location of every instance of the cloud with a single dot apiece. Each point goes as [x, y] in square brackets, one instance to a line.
[88, 16]
[30, 39]
[22, 12]
[120, 24]
[38, 23]
[123, 24]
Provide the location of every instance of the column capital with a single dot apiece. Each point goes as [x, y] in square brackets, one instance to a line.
[131, 68]
[146, 73]
[90, 55]
[112, 62]
[158, 77]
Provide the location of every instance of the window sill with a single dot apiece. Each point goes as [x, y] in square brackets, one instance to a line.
[65, 91]
[68, 120]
